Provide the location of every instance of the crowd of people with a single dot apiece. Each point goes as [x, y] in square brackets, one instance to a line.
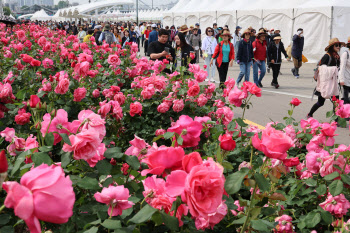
[260, 51]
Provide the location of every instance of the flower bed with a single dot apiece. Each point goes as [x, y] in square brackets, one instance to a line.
[95, 139]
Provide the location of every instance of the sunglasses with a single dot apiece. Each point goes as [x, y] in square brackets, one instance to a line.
[210, 31]
[337, 45]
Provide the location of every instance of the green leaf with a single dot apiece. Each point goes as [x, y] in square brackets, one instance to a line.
[92, 230]
[114, 152]
[45, 148]
[104, 167]
[111, 224]
[88, 183]
[65, 159]
[262, 225]
[263, 184]
[19, 160]
[49, 139]
[239, 221]
[231, 126]
[227, 165]
[157, 218]
[326, 216]
[4, 219]
[241, 123]
[312, 219]
[40, 158]
[336, 188]
[234, 181]
[345, 178]
[342, 122]
[180, 140]
[310, 182]
[321, 189]
[143, 215]
[21, 94]
[65, 138]
[133, 161]
[268, 211]
[331, 176]
[170, 221]
[168, 135]
[329, 114]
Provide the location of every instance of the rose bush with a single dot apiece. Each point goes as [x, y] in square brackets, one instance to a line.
[96, 139]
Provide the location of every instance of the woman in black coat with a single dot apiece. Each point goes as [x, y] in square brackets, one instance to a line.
[274, 51]
[183, 52]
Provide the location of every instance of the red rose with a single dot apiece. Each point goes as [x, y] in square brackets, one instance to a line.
[26, 58]
[34, 100]
[295, 102]
[35, 62]
[292, 162]
[22, 117]
[3, 162]
[135, 108]
[227, 143]
[194, 90]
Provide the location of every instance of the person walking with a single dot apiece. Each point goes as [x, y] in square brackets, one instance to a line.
[236, 38]
[172, 35]
[97, 34]
[224, 54]
[186, 31]
[215, 27]
[252, 35]
[182, 52]
[146, 34]
[297, 51]
[208, 48]
[196, 43]
[88, 36]
[107, 36]
[126, 38]
[275, 49]
[117, 35]
[218, 35]
[259, 49]
[245, 56]
[199, 30]
[328, 66]
[344, 72]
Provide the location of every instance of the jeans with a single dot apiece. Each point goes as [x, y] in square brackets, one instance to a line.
[275, 72]
[210, 70]
[236, 50]
[223, 73]
[346, 92]
[245, 71]
[256, 67]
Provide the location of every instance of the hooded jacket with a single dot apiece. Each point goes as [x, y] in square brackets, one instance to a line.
[245, 51]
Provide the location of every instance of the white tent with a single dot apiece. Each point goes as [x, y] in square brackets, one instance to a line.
[320, 19]
[40, 15]
[27, 16]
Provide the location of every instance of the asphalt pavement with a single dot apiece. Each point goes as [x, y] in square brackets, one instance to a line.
[273, 105]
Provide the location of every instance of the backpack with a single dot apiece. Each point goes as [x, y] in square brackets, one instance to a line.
[316, 73]
[109, 37]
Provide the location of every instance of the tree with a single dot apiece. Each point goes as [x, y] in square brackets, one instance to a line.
[62, 4]
[6, 10]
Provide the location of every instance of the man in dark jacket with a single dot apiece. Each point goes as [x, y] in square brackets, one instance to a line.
[245, 56]
[297, 51]
[153, 35]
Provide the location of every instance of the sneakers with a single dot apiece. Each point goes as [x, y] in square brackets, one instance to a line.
[276, 85]
[206, 80]
[293, 71]
[308, 116]
[296, 76]
[268, 69]
[260, 85]
[212, 80]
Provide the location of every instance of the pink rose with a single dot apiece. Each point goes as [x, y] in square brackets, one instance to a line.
[62, 86]
[98, 156]
[79, 94]
[44, 194]
[191, 160]
[225, 114]
[114, 60]
[96, 93]
[189, 130]
[274, 143]
[34, 100]
[58, 124]
[135, 108]
[138, 147]
[47, 63]
[236, 96]
[330, 161]
[284, 224]
[344, 111]
[328, 130]
[337, 206]
[202, 100]
[22, 117]
[194, 90]
[31, 143]
[84, 144]
[116, 198]
[295, 102]
[105, 108]
[87, 119]
[160, 132]
[314, 160]
[178, 105]
[165, 158]
[82, 68]
[8, 134]
[163, 108]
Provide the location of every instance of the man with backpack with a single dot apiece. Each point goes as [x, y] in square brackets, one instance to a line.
[107, 36]
[297, 51]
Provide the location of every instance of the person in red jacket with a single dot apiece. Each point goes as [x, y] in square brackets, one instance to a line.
[259, 49]
[225, 55]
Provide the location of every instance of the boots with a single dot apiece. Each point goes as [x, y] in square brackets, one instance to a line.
[296, 72]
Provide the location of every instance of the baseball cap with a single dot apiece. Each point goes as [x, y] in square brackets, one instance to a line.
[197, 24]
[97, 27]
[154, 25]
[238, 27]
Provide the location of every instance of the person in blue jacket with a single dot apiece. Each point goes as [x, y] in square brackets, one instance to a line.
[153, 35]
[245, 56]
[297, 51]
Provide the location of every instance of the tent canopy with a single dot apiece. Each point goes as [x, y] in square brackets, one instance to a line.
[40, 15]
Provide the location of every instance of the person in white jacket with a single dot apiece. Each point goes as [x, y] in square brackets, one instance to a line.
[208, 47]
[344, 72]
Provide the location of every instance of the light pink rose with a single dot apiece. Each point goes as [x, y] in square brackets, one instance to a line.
[44, 193]
[314, 160]
[116, 198]
[284, 224]
[202, 100]
[337, 206]
[114, 60]
[135, 108]
[189, 129]
[344, 111]
[239, 208]
[31, 143]
[225, 114]
[96, 93]
[202, 120]
[79, 94]
[329, 162]
[178, 105]
[62, 86]
[160, 132]
[274, 143]
[236, 96]
[138, 147]
[84, 144]
[8, 134]
[58, 124]
[98, 156]
[87, 119]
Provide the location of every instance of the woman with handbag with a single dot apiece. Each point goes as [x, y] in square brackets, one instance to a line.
[326, 75]
[208, 47]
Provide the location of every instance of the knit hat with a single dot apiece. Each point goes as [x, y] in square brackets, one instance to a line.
[332, 42]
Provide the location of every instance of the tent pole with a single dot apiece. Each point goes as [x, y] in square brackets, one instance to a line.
[331, 32]
[236, 19]
[292, 33]
[262, 18]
